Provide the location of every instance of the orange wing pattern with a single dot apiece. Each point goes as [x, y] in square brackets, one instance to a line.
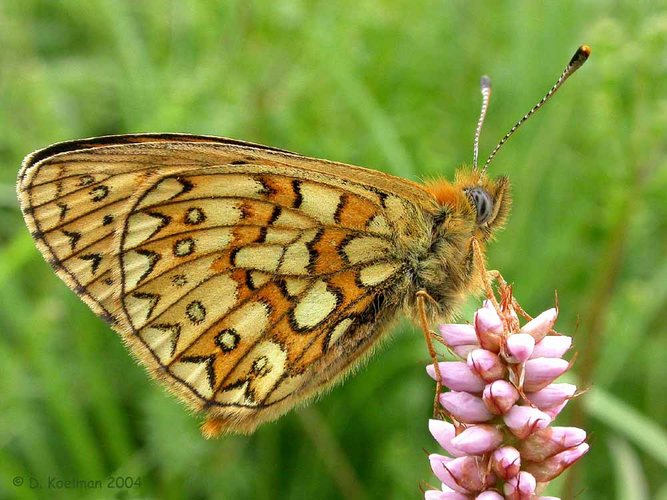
[243, 277]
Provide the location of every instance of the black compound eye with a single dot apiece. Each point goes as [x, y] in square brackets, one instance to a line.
[483, 203]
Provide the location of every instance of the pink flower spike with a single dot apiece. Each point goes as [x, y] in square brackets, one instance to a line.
[489, 495]
[521, 487]
[486, 364]
[540, 372]
[455, 334]
[478, 439]
[506, 462]
[443, 432]
[524, 420]
[464, 474]
[500, 396]
[458, 376]
[551, 441]
[552, 395]
[552, 467]
[539, 326]
[520, 346]
[465, 407]
[489, 328]
[552, 346]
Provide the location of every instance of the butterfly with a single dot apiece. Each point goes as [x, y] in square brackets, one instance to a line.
[246, 278]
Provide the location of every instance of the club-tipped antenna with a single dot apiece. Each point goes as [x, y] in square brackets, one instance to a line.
[578, 59]
[485, 88]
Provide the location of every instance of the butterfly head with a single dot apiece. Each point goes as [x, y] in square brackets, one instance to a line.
[484, 203]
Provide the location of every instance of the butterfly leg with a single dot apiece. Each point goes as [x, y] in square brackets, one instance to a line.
[422, 295]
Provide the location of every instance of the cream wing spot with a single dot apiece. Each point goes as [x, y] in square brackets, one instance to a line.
[319, 202]
[227, 339]
[141, 226]
[162, 339]
[194, 216]
[140, 307]
[184, 247]
[197, 372]
[164, 190]
[338, 331]
[377, 273]
[281, 236]
[262, 258]
[293, 220]
[137, 265]
[378, 224]
[296, 259]
[294, 286]
[365, 249]
[315, 306]
[249, 321]
[258, 278]
[196, 312]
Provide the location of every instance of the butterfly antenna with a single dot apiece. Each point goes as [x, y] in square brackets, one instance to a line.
[578, 59]
[485, 88]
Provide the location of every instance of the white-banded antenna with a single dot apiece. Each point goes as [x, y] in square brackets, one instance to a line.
[578, 59]
[485, 88]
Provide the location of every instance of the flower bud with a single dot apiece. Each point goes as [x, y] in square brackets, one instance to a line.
[464, 474]
[486, 364]
[524, 420]
[520, 347]
[445, 494]
[552, 346]
[551, 441]
[552, 395]
[539, 326]
[520, 487]
[540, 372]
[554, 411]
[506, 462]
[500, 396]
[465, 407]
[458, 376]
[489, 328]
[553, 466]
[478, 439]
[455, 335]
[443, 432]
[489, 495]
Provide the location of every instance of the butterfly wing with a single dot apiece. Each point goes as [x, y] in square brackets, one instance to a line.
[244, 277]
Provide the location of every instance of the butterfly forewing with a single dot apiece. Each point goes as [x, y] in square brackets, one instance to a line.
[245, 278]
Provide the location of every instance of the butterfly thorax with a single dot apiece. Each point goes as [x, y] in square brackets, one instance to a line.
[471, 209]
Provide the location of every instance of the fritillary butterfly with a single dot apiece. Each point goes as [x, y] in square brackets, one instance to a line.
[246, 278]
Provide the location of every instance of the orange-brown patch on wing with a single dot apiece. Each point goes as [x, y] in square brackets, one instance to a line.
[355, 212]
[279, 190]
[295, 342]
[346, 282]
[327, 248]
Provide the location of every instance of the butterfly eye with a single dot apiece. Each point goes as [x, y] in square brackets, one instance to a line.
[483, 203]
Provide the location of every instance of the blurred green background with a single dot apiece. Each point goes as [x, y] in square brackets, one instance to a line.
[391, 85]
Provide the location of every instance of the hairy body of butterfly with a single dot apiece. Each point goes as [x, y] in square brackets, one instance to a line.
[246, 278]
